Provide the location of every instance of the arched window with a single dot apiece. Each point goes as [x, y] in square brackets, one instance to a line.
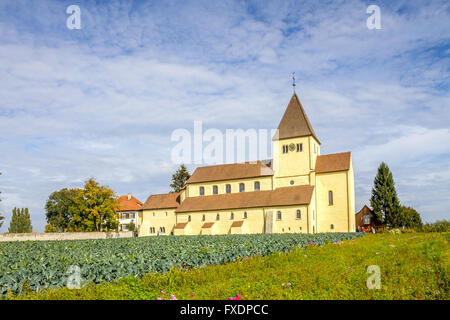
[203, 218]
[215, 190]
[217, 217]
[245, 214]
[332, 227]
[202, 191]
[299, 214]
[257, 186]
[189, 218]
[278, 215]
[330, 198]
[228, 188]
[231, 216]
[241, 187]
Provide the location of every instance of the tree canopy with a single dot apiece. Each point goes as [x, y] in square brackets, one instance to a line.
[60, 208]
[20, 221]
[93, 208]
[410, 218]
[179, 178]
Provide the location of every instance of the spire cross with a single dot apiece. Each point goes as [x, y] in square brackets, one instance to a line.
[293, 80]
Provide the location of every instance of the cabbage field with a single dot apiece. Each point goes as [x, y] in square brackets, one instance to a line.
[40, 264]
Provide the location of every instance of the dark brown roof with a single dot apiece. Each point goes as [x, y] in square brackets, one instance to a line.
[230, 171]
[132, 204]
[279, 197]
[181, 225]
[294, 123]
[208, 225]
[162, 201]
[333, 162]
[365, 210]
[236, 224]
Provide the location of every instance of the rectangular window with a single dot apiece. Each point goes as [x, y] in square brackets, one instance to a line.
[278, 215]
[245, 214]
[285, 148]
[330, 198]
[299, 147]
[215, 190]
[231, 216]
[202, 191]
[228, 188]
[366, 219]
[241, 187]
[257, 186]
[299, 214]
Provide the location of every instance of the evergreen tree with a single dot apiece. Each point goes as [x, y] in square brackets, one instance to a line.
[384, 200]
[20, 221]
[179, 178]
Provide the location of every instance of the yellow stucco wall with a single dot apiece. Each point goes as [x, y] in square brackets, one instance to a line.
[156, 218]
[194, 188]
[337, 213]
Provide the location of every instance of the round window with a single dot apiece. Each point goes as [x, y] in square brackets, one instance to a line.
[292, 182]
[292, 147]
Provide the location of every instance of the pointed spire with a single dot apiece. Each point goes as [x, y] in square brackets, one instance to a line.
[294, 123]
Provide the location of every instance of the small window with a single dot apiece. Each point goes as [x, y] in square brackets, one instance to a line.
[153, 214]
[241, 187]
[257, 186]
[166, 213]
[332, 227]
[285, 148]
[203, 218]
[366, 219]
[231, 216]
[278, 215]
[291, 182]
[189, 218]
[228, 188]
[330, 198]
[299, 147]
[217, 217]
[299, 214]
[245, 214]
[202, 191]
[215, 190]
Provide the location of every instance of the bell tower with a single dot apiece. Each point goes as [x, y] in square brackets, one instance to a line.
[295, 147]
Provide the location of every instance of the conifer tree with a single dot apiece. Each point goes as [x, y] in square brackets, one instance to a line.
[384, 200]
[179, 178]
[20, 221]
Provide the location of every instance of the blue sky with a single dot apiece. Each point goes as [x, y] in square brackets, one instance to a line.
[103, 101]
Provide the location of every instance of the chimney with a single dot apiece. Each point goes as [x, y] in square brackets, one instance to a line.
[129, 196]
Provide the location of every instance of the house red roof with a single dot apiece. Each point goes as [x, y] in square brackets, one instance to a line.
[129, 203]
[333, 162]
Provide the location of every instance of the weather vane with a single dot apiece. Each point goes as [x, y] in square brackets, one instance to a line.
[293, 80]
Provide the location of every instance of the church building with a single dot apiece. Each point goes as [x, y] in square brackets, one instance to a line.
[298, 191]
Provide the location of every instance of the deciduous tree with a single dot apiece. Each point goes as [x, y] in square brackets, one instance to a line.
[59, 209]
[96, 209]
[410, 218]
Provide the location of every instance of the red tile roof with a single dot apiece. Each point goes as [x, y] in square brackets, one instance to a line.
[270, 198]
[162, 201]
[129, 205]
[181, 225]
[333, 162]
[237, 224]
[230, 171]
[207, 225]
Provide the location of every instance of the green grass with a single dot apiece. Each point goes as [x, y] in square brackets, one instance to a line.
[413, 266]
